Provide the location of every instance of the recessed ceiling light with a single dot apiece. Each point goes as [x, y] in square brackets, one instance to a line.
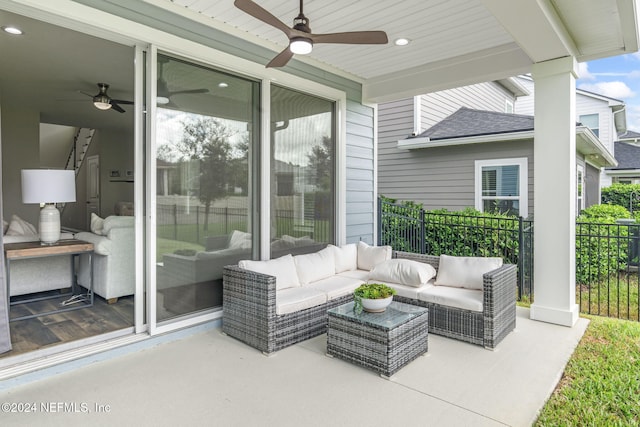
[223, 84]
[13, 30]
[401, 42]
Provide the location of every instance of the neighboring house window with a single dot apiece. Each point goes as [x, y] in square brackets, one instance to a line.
[579, 189]
[591, 121]
[501, 186]
[508, 106]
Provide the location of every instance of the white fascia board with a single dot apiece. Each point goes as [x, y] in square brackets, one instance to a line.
[623, 172]
[425, 142]
[594, 151]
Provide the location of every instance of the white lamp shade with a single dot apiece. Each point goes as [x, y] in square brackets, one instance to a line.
[48, 186]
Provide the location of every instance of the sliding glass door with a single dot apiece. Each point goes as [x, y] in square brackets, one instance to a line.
[206, 128]
[303, 174]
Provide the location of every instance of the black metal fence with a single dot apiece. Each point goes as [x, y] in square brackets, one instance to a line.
[607, 264]
[411, 229]
[607, 255]
[193, 224]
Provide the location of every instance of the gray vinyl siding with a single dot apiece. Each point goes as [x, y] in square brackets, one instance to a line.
[592, 185]
[360, 119]
[489, 96]
[440, 177]
[444, 177]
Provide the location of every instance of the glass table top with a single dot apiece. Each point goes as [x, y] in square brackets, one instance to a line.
[395, 315]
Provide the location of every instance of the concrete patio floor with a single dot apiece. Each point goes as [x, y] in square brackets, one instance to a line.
[211, 379]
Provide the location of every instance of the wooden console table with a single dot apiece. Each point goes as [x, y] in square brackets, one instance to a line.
[74, 248]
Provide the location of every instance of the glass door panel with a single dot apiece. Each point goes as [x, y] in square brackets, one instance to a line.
[303, 189]
[206, 124]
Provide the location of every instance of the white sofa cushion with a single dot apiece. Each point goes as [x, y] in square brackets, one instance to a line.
[296, 299]
[465, 299]
[404, 271]
[356, 274]
[346, 257]
[20, 227]
[370, 256]
[405, 291]
[337, 286]
[315, 266]
[465, 272]
[283, 269]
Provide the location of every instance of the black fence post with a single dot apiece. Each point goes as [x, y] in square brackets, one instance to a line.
[380, 221]
[198, 223]
[423, 230]
[175, 221]
[521, 256]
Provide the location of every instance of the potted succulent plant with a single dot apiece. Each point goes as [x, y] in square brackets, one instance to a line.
[372, 297]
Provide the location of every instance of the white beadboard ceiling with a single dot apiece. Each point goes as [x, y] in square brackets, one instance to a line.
[491, 38]
[453, 43]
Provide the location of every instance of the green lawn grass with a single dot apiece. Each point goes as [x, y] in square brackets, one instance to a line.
[601, 383]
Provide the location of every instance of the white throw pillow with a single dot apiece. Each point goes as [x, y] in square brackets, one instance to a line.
[298, 241]
[465, 272]
[370, 256]
[403, 271]
[315, 266]
[97, 224]
[346, 257]
[20, 227]
[240, 240]
[283, 268]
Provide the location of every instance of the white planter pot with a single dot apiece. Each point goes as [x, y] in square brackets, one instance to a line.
[376, 305]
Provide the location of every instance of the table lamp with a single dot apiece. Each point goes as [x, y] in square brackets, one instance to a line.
[48, 187]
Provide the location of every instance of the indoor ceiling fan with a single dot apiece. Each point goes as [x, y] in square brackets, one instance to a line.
[301, 39]
[102, 101]
[163, 94]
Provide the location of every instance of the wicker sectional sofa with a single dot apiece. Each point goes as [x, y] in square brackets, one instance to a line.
[267, 308]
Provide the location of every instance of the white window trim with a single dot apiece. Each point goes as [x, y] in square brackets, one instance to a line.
[523, 173]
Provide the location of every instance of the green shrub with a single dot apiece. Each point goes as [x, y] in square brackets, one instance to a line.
[625, 195]
[401, 225]
[608, 213]
[601, 244]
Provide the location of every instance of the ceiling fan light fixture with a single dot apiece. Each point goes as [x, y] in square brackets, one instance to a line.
[102, 102]
[301, 45]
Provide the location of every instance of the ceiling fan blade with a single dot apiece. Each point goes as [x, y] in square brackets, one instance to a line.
[263, 15]
[85, 93]
[121, 101]
[174, 92]
[115, 106]
[281, 59]
[354, 37]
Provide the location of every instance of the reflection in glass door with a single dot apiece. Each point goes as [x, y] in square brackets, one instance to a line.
[206, 125]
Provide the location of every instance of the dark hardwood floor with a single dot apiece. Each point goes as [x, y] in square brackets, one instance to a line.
[50, 330]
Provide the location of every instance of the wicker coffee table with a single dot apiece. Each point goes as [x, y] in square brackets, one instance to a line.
[383, 342]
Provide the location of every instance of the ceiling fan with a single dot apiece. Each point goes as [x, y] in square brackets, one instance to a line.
[301, 39]
[102, 101]
[163, 94]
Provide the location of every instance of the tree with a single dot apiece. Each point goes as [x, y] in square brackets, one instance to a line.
[206, 140]
[321, 159]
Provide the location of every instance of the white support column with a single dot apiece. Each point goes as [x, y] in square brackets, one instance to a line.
[555, 192]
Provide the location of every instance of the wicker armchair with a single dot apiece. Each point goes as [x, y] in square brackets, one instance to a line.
[486, 328]
[249, 301]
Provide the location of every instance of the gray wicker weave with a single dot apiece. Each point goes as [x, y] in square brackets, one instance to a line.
[249, 315]
[382, 342]
[486, 328]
